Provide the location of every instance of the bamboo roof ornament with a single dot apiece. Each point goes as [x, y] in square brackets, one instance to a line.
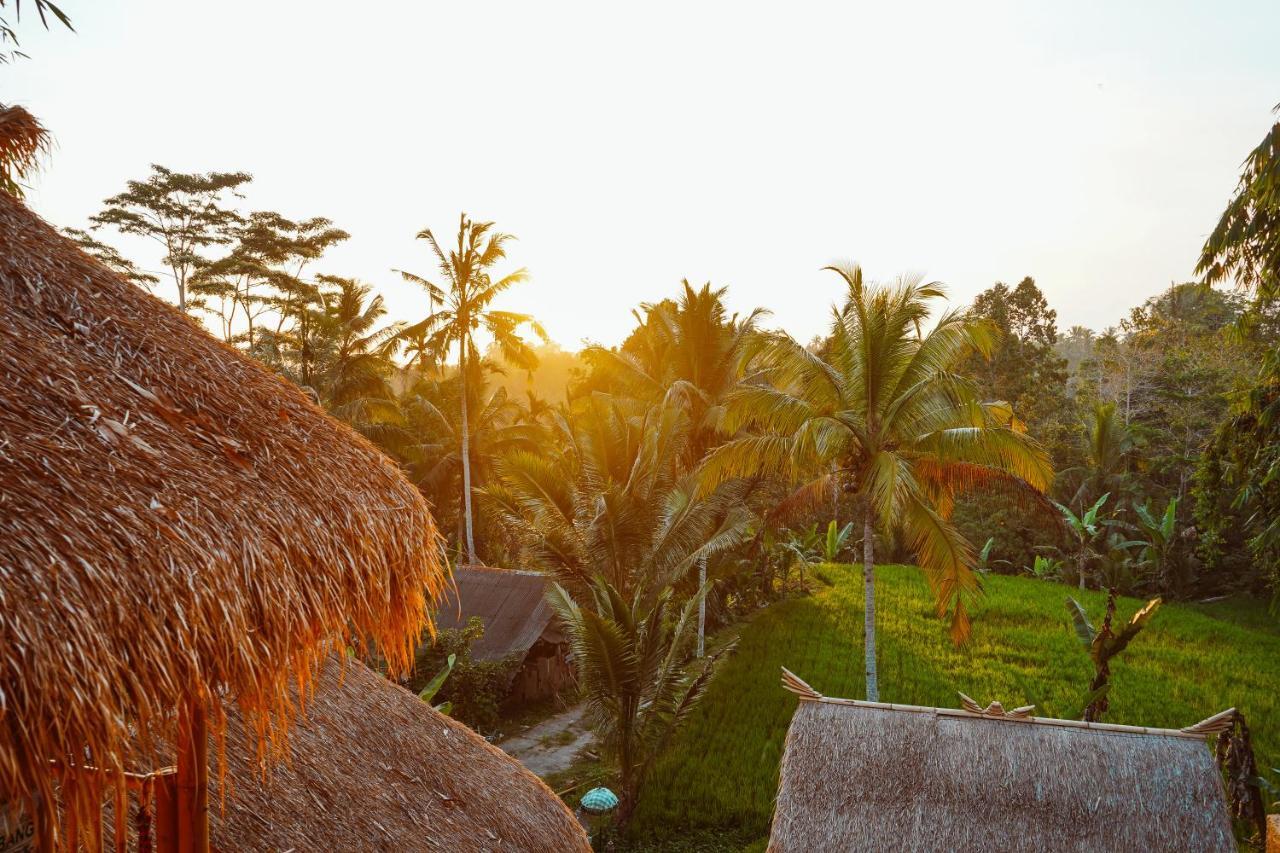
[995, 709]
[180, 529]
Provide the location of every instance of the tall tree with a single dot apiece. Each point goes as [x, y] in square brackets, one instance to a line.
[1245, 457]
[632, 654]
[466, 297]
[262, 275]
[1024, 368]
[616, 501]
[692, 350]
[355, 355]
[883, 415]
[183, 212]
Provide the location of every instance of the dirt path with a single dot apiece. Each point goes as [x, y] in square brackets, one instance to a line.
[551, 745]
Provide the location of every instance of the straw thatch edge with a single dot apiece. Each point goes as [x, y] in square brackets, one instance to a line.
[1202, 730]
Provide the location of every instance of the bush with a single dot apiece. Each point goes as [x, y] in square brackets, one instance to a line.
[475, 688]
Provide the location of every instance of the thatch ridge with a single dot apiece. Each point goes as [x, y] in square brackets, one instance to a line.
[175, 519]
[373, 767]
[861, 775]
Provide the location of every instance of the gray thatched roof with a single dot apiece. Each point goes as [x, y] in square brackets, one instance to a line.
[512, 605]
[868, 776]
[371, 767]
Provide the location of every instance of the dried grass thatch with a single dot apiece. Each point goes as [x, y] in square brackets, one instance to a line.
[22, 142]
[373, 767]
[871, 776]
[175, 521]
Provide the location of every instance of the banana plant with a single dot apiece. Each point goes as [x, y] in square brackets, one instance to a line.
[835, 541]
[1084, 528]
[1103, 645]
[985, 563]
[1160, 547]
[433, 687]
[805, 546]
[1046, 568]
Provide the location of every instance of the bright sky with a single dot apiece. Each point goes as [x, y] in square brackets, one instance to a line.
[1089, 144]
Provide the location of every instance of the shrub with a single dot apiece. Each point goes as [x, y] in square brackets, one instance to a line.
[475, 688]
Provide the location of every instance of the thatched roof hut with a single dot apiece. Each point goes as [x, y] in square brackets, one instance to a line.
[373, 767]
[511, 604]
[180, 529]
[519, 623]
[868, 775]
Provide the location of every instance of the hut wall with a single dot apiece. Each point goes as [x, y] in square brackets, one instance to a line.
[546, 671]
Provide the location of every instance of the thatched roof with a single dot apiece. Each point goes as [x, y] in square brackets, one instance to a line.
[865, 776]
[174, 520]
[512, 605]
[372, 767]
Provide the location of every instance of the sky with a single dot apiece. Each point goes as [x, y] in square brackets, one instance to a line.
[1091, 145]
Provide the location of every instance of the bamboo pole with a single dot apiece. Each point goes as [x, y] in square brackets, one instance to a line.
[193, 778]
[46, 820]
[70, 826]
[121, 815]
[164, 828]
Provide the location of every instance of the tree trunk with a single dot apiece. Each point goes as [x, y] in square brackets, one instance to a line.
[466, 453]
[869, 613]
[702, 606]
[1080, 568]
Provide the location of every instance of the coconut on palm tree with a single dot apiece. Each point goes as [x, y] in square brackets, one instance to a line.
[465, 297]
[879, 413]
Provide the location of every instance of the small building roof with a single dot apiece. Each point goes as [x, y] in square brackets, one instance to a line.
[512, 604]
[370, 766]
[176, 521]
[865, 776]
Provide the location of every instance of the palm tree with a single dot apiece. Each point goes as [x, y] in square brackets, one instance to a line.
[465, 298]
[615, 501]
[879, 414]
[1109, 446]
[356, 359]
[692, 350]
[433, 443]
[631, 656]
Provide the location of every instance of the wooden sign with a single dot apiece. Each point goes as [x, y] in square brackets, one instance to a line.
[17, 832]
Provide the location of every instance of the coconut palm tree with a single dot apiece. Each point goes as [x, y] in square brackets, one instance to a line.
[356, 364]
[879, 414]
[691, 350]
[465, 299]
[1109, 447]
[632, 654]
[615, 501]
[433, 435]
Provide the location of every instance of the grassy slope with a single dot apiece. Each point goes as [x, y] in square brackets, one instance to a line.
[1191, 662]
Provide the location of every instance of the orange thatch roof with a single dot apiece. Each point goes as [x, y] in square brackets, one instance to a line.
[372, 767]
[174, 520]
